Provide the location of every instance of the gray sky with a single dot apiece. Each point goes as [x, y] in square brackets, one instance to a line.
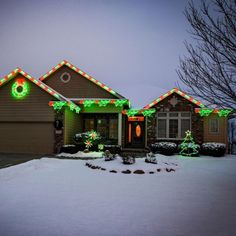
[133, 46]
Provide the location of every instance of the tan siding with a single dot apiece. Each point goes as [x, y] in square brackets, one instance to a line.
[73, 124]
[34, 107]
[218, 137]
[21, 137]
[77, 87]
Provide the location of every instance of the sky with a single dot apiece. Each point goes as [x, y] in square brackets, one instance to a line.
[133, 46]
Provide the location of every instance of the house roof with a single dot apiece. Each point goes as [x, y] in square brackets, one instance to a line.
[40, 84]
[177, 91]
[84, 74]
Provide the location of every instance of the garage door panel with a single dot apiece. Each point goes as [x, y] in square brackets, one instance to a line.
[20, 137]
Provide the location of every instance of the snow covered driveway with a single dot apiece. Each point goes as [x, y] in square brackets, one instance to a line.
[63, 197]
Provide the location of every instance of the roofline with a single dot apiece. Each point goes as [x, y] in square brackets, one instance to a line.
[40, 84]
[84, 74]
[177, 91]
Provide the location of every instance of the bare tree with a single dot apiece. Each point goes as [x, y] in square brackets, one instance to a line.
[209, 69]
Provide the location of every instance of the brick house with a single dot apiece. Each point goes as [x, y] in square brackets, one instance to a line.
[39, 116]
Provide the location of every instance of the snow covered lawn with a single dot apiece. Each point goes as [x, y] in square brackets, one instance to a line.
[64, 197]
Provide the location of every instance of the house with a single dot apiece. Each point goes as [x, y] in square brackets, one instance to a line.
[169, 116]
[39, 116]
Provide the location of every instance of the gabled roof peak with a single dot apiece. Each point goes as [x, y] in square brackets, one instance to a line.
[177, 91]
[84, 74]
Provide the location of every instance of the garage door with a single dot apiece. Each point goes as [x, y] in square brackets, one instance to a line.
[22, 137]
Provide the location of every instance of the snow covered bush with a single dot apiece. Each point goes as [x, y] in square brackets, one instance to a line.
[165, 148]
[151, 158]
[213, 149]
[114, 149]
[128, 160]
[108, 156]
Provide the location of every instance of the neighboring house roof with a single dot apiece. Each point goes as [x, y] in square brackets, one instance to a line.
[40, 84]
[177, 91]
[85, 75]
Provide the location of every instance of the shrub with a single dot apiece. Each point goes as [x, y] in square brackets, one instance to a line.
[213, 149]
[165, 148]
[88, 140]
[114, 149]
[128, 160]
[69, 149]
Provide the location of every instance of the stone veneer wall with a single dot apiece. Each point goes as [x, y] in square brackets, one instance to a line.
[182, 105]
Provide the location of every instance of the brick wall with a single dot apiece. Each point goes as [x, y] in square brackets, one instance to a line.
[182, 105]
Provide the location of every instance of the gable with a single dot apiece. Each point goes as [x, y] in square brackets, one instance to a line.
[32, 107]
[80, 84]
[177, 93]
[175, 102]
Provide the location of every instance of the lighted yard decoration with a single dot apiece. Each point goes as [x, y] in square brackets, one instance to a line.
[188, 147]
[20, 88]
[91, 137]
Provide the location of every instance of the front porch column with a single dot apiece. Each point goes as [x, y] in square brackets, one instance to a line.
[119, 128]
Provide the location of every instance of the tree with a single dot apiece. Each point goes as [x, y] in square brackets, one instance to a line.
[209, 69]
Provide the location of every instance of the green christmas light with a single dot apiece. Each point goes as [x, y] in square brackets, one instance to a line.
[132, 112]
[59, 105]
[88, 103]
[205, 112]
[149, 112]
[224, 113]
[103, 103]
[120, 103]
[20, 88]
[188, 146]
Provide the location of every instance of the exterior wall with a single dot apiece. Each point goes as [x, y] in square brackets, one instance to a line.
[182, 105]
[221, 136]
[72, 124]
[77, 87]
[26, 125]
[34, 107]
[96, 109]
[123, 131]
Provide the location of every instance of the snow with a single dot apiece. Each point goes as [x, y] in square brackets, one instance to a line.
[117, 164]
[82, 155]
[213, 145]
[62, 197]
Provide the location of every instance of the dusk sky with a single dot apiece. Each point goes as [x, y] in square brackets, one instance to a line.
[133, 46]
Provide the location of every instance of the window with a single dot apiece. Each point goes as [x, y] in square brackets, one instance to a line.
[173, 125]
[161, 128]
[65, 77]
[88, 124]
[173, 128]
[113, 129]
[105, 124]
[214, 125]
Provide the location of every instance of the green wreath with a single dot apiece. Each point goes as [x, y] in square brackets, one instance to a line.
[20, 88]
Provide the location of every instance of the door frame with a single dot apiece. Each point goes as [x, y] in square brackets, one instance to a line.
[129, 132]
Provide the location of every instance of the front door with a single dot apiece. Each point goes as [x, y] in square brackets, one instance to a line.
[135, 132]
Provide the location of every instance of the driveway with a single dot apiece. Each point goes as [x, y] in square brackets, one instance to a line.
[7, 160]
